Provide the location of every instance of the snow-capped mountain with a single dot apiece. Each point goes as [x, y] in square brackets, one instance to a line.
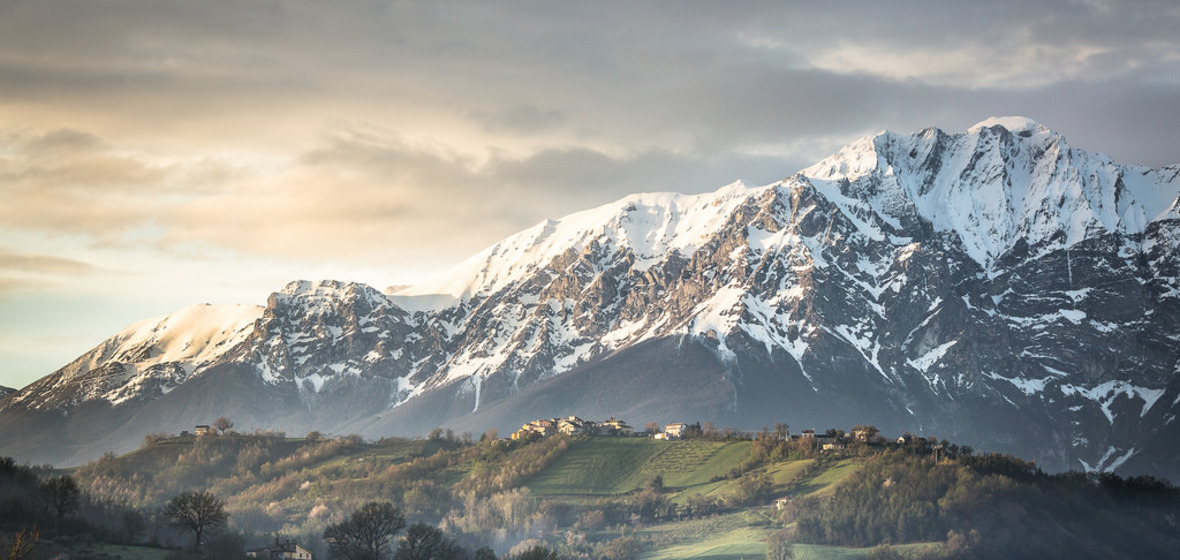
[995, 287]
[146, 359]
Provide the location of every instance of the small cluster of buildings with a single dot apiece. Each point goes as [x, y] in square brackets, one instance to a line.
[572, 426]
[835, 440]
[825, 441]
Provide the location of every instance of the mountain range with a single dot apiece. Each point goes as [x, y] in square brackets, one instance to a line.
[995, 287]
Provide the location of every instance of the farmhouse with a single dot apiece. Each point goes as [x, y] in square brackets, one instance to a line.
[675, 430]
[288, 550]
[908, 438]
[616, 428]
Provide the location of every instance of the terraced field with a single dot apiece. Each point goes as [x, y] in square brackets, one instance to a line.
[718, 537]
[612, 466]
[740, 536]
[827, 480]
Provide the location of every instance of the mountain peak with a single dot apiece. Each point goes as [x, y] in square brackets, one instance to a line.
[315, 287]
[1005, 179]
[1013, 124]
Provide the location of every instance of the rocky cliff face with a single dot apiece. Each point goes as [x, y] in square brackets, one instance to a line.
[995, 287]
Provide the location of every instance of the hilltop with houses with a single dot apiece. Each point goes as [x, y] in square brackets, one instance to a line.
[572, 426]
[670, 487]
[832, 440]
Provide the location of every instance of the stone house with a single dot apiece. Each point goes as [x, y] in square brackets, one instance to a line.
[288, 550]
[675, 430]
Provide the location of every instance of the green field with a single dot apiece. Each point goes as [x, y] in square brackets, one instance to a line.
[718, 537]
[103, 550]
[611, 466]
[827, 480]
[744, 542]
[820, 552]
[737, 536]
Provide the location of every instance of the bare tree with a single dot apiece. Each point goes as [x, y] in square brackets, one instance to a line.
[368, 533]
[782, 431]
[778, 547]
[708, 429]
[423, 542]
[61, 493]
[196, 511]
[223, 424]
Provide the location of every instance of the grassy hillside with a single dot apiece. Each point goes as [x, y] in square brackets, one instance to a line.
[613, 466]
[597, 497]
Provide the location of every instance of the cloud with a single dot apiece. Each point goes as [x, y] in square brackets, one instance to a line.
[10, 287]
[368, 194]
[70, 181]
[194, 127]
[41, 264]
[363, 194]
[1005, 44]
[62, 140]
[518, 119]
[22, 273]
[661, 76]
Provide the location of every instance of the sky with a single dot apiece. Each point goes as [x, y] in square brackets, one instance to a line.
[156, 154]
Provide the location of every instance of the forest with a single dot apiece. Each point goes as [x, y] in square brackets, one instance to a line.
[711, 494]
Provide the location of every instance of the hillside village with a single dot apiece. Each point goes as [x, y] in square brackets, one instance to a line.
[829, 441]
[582, 489]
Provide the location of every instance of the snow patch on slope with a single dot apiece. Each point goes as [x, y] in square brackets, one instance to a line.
[197, 334]
[651, 226]
[1105, 394]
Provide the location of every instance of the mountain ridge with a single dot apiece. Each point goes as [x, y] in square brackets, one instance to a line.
[926, 282]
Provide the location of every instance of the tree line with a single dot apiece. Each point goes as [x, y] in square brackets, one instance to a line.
[992, 506]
